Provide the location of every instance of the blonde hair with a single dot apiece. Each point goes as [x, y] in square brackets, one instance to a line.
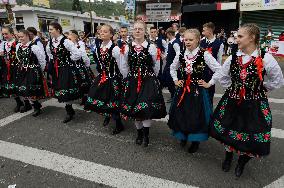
[111, 30]
[253, 30]
[182, 30]
[142, 23]
[195, 32]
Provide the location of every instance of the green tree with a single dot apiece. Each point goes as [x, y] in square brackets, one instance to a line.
[77, 6]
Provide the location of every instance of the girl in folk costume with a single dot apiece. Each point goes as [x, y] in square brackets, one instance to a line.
[9, 71]
[83, 66]
[142, 98]
[65, 79]
[242, 120]
[2, 64]
[104, 94]
[30, 81]
[191, 109]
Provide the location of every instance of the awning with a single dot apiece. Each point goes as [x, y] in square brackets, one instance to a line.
[210, 7]
[252, 5]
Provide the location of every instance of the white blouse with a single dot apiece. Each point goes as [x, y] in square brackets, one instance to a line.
[208, 58]
[274, 77]
[6, 45]
[122, 59]
[37, 51]
[84, 55]
[115, 51]
[68, 44]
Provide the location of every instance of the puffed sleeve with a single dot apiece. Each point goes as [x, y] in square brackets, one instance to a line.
[40, 56]
[75, 52]
[177, 50]
[224, 74]
[84, 54]
[153, 53]
[122, 60]
[2, 47]
[220, 54]
[273, 72]
[48, 52]
[213, 65]
[173, 69]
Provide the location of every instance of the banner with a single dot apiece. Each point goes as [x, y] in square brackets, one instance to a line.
[252, 5]
[65, 22]
[41, 3]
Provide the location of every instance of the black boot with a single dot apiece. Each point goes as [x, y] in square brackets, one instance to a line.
[139, 138]
[183, 143]
[226, 165]
[146, 136]
[118, 127]
[193, 147]
[106, 121]
[83, 101]
[70, 113]
[243, 159]
[37, 109]
[19, 104]
[26, 107]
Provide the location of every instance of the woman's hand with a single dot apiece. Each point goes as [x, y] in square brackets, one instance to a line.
[179, 83]
[204, 84]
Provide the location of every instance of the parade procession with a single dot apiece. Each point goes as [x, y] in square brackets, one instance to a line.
[174, 94]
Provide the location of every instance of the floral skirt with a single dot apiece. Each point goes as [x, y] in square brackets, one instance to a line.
[244, 127]
[144, 100]
[31, 83]
[104, 97]
[65, 84]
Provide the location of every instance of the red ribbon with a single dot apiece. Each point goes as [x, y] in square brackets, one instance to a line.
[8, 70]
[209, 50]
[139, 81]
[122, 49]
[158, 54]
[45, 87]
[103, 78]
[56, 64]
[259, 66]
[185, 88]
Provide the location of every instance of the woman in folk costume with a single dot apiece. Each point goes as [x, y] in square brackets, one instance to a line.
[83, 66]
[191, 109]
[9, 71]
[242, 120]
[142, 98]
[105, 93]
[30, 81]
[65, 80]
[2, 64]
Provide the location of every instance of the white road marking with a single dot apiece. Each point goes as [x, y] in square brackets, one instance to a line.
[276, 184]
[83, 169]
[17, 116]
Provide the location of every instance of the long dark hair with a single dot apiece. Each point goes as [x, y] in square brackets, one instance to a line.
[56, 26]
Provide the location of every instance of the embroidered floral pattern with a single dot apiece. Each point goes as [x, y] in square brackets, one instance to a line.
[262, 137]
[266, 112]
[115, 87]
[66, 92]
[218, 127]
[222, 108]
[239, 136]
[140, 106]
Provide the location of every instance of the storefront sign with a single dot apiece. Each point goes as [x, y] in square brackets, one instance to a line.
[252, 5]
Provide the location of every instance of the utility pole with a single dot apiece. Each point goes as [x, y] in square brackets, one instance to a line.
[91, 16]
[9, 12]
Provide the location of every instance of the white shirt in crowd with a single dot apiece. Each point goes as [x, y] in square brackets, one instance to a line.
[221, 49]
